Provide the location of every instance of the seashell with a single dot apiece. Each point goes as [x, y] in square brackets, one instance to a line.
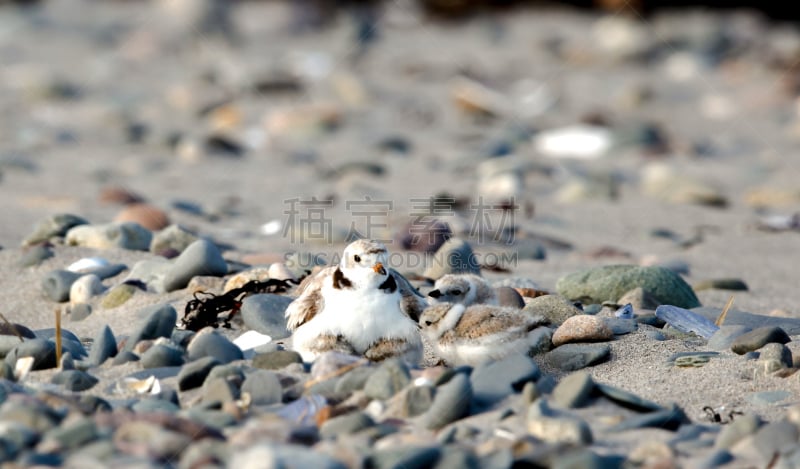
[251, 339]
[88, 264]
[686, 321]
[625, 312]
[583, 142]
[304, 410]
[476, 98]
[23, 366]
[141, 386]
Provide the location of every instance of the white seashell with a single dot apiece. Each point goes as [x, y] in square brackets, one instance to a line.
[251, 339]
[585, 142]
[88, 264]
[141, 386]
[23, 367]
[625, 312]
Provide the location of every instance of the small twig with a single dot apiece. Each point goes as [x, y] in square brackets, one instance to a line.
[58, 337]
[336, 373]
[12, 327]
[724, 312]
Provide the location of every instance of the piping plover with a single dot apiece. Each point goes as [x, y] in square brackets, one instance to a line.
[465, 289]
[357, 307]
[470, 335]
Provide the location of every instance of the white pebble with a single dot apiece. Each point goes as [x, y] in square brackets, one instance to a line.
[251, 339]
[86, 287]
[87, 264]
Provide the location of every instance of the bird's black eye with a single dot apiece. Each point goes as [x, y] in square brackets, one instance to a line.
[428, 323]
[456, 292]
[357, 258]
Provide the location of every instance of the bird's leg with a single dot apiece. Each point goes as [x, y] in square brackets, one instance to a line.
[332, 343]
[382, 349]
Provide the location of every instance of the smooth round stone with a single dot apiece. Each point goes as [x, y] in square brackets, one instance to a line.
[390, 377]
[406, 457]
[151, 272]
[146, 215]
[573, 357]
[454, 257]
[42, 350]
[173, 238]
[455, 457]
[757, 338]
[57, 284]
[118, 295]
[724, 337]
[353, 380]
[621, 326]
[79, 311]
[626, 399]
[668, 419]
[69, 436]
[125, 356]
[159, 356]
[35, 255]
[639, 298]
[160, 443]
[741, 427]
[233, 373]
[609, 283]
[582, 328]
[84, 288]
[494, 381]
[194, 373]
[264, 387]
[776, 438]
[125, 235]
[733, 284]
[414, 401]
[345, 424]
[553, 307]
[507, 296]
[768, 397]
[55, 225]
[209, 343]
[159, 322]
[452, 402]
[777, 352]
[103, 347]
[264, 313]
[428, 238]
[202, 257]
[276, 360]
[74, 380]
[656, 335]
[559, 429]
[16, 330]
[574, 390]
[149, 406]
[220, 390]
[108, 271]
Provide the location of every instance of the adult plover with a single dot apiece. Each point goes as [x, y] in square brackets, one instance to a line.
[470, 335]
[465, 289]
[357, 307]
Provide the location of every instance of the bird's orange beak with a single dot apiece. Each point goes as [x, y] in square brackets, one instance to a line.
[378, 268]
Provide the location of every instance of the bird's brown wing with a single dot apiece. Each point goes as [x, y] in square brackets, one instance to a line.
[310, 300]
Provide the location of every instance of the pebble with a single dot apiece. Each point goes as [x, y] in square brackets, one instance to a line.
[609, 283]
[452, 402]
[639, 298]
[573, 390]
[159, 321]
[732, 284]
[276, 360]
[264, 313]
[427, 238]
[553, 307]
[724, 337]
[53, 226]
[572, 357]
[686, 321]
[84, 288]
[172, 239]
[88, 264]
[118, 296]
[35, 255]
[777, 353]
[199, 258]
[194, 373]
[57, 284]
[146, 215]
[103, 347]
[668, 419]
[345, 424]
[220, 390]
[161, 355]
[390, 377]
[455, 256]
[507, 296]
[264, 387]
[494, 381]
[547, 425]
[405, 457]
[240, 279]
[210, 343]
[621, 326]
[122, 235]
[119, 196]
[151, 272]
[624, 312]
[741, 427]
[582, 328]
[776, 438]
[757, 338]
[768, 397]
[74, 380]
[79, 311]
[43, 352]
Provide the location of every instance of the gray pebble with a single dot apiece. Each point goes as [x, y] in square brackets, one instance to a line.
[454, 257]
[125, 356]
[107, 271]
[738, 429]
[390, 377]
[173, 238]
[724, 337]
[354, 380]
[406, 457]
[778, 353]
[116, 235]
[79, 311]
[148, 406]
[574, 390]
[455, 457]
[74, 380]
[220, 390]
[152, 272]
[264, 387]
[626, 399]
[264, 313]
[507, 296]
[716, 459]
[160, 355]
[159, 322]
[572, 357]
[494, 381]
[35, 255]
[202, 257]
[57, 283]
[70, 436]
[768, 397]
[776, 438]
[43, 351]
[553, 307]
[451, 403]
[210, 343]
[276, 360]
[52, 226]
[195, 372]
[668, 419]
[757, 338]
[103, 347]
[655, 335]
[621, 326]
